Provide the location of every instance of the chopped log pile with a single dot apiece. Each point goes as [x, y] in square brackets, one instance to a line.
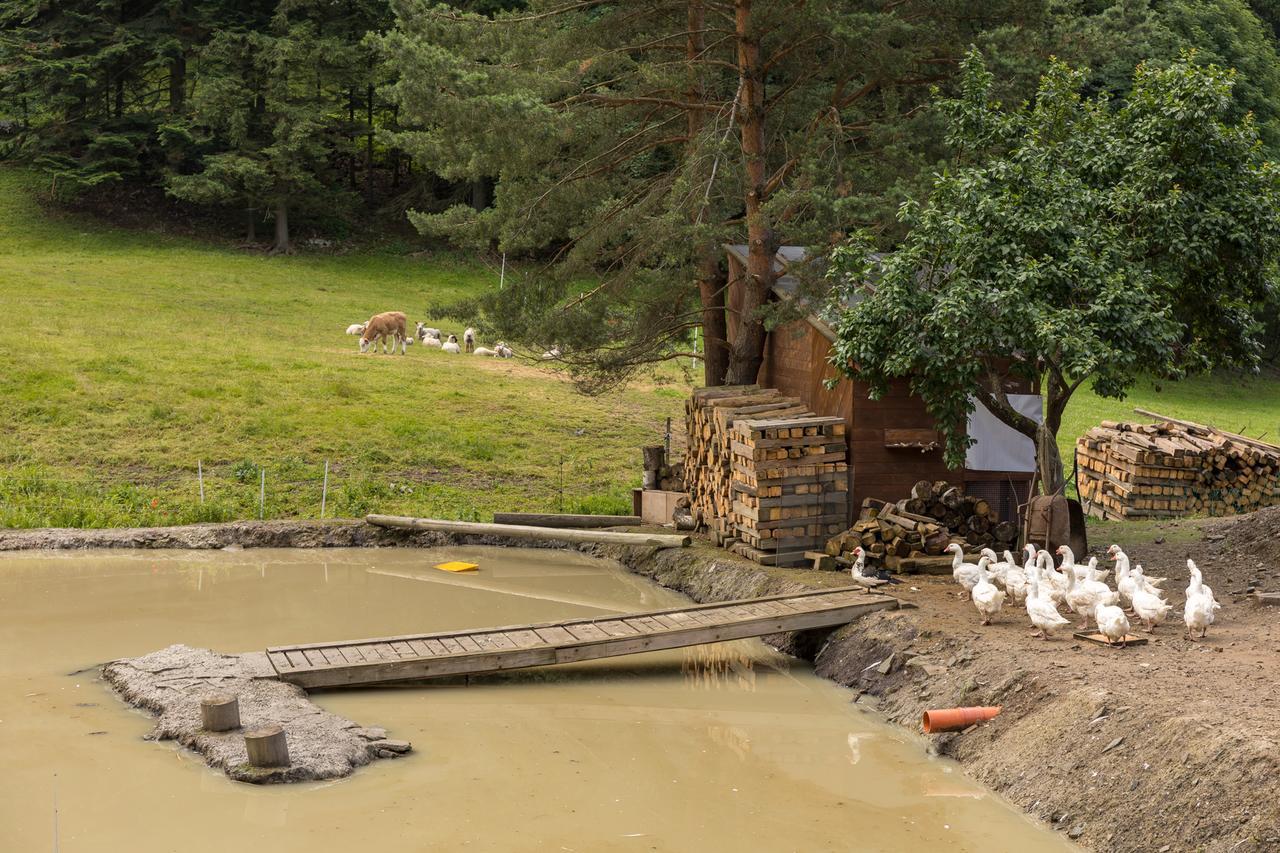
[1173, 468]
[764, 473]
[914, 532]
[790, 486]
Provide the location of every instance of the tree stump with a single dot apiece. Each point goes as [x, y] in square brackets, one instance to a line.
[220, 712]
[267, 747]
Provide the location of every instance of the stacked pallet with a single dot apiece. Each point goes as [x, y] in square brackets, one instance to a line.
[790, 482]
[1174, 468]
[907, 534]
[710, 415]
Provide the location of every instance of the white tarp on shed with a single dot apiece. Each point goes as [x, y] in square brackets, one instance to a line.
[999, 446]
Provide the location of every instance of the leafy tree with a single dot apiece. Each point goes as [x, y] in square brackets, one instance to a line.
[1077, 240]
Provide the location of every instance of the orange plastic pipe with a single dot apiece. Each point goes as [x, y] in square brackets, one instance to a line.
[955, 719]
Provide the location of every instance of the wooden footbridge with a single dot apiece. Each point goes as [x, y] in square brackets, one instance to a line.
[419, 656]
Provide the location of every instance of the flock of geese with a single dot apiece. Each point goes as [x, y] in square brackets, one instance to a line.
[1042, 588]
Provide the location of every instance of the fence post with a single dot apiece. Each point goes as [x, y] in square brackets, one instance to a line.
[262, 494]
[324, 491]
[200, 477]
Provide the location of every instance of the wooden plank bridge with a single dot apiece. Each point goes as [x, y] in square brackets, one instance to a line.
[417, 656]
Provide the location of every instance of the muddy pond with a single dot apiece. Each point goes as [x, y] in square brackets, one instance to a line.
[731, 747]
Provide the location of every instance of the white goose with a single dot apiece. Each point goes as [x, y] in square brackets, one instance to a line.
[1197, 579]
[1112, 623]
[1084, 596]
[1069, 563]
[984, 594]
[1198, 612]
[1053, 583]
[965, 574]
[998, 569]
[1148, 606]
[1041, 610]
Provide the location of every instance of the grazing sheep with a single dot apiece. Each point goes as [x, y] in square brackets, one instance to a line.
[501, 350]
[551, 354]
[469, 338]
[484, 351]
[387, 325]
[355, 329]
[451, 345]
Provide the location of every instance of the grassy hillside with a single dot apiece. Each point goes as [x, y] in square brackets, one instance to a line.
[126, 357]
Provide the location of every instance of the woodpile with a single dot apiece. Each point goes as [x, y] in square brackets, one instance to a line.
[914, 532]
[764, 473]
[710, 414]
[790, 486]
[1172, 468]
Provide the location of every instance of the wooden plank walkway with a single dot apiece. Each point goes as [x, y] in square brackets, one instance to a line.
[418, 656]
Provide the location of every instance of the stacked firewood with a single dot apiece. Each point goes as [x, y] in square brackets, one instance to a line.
[790, 486]
[708, 464]
[913, 529]
[1174, 468]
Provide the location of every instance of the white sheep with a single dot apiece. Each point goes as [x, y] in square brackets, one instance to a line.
[431, 342]
[501, 350]
[551, 354]
[451, 345]
[484, 351]
[469, 338]
[355, 329]
[424, 331]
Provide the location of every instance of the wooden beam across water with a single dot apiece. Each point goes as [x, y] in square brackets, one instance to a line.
[413, 657]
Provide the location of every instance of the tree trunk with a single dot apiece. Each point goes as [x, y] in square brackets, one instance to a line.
[1049, 461]
[368, 137]
[251, 226]
[282, 245]
[710, 278]
[479, 194]
[351, 136]
[177, 84]
[747, 353]
[1044, 434]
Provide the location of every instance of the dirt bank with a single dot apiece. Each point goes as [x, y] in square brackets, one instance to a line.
[1169, 746]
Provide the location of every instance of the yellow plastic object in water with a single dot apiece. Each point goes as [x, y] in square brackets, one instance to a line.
[457, 566]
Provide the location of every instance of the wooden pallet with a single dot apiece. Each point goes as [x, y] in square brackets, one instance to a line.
[1090, 637]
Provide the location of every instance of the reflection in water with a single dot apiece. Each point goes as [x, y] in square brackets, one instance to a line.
[730, 747]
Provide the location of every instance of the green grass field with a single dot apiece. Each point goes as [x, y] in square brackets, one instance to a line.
[127, 357]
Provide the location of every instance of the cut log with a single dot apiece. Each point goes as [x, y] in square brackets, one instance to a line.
[517, 531]
[538, 519]
[220, 712]
[922, 491]
[267, 747]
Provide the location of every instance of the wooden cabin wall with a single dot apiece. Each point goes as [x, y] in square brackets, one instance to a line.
[879, 471]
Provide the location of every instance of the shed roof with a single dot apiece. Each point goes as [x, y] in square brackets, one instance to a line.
[787, 286]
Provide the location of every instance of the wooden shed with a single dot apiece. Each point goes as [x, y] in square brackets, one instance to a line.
[893, 442]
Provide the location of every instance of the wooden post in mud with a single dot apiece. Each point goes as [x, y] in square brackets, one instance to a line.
[220, 712]
[262, 494]
[267, 747]
[200, 477]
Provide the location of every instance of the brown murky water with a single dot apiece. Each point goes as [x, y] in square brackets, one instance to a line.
[730, 747]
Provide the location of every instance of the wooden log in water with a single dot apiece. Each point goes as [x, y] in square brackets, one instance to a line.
[539, 519]
[220, 712]
[518, 531]
[267, 747]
